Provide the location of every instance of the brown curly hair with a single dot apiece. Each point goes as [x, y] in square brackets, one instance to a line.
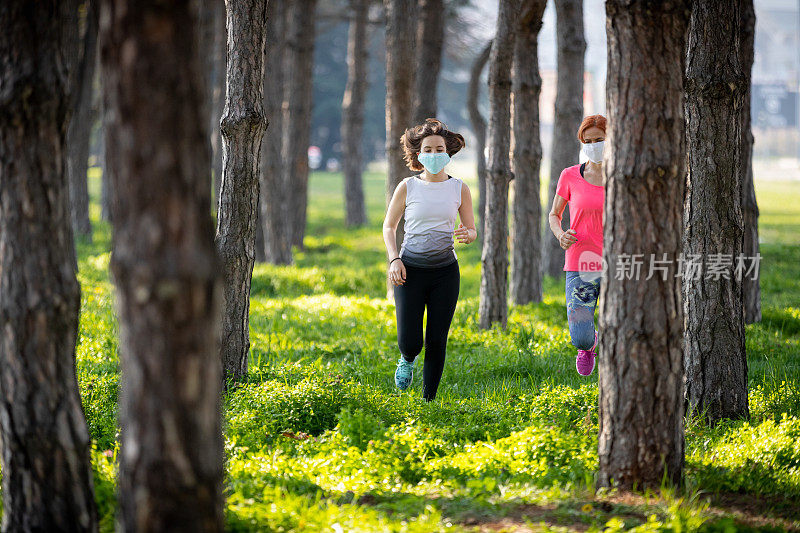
[412, 141]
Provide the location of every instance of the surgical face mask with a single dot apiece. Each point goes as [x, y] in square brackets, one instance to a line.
[594, 151]
[433, 162]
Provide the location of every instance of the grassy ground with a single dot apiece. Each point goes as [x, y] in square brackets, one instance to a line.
[318, 438]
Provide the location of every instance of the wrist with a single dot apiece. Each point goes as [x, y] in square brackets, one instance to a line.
[395, 259]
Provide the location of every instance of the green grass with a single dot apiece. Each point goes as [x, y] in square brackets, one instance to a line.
[319, 439]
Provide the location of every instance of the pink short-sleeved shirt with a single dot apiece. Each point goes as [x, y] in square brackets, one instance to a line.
[585, 217]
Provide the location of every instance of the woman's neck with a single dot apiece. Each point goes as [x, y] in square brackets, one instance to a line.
[441, 176]
[594, 166]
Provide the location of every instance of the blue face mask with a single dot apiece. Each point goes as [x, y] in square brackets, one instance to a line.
[433, 163]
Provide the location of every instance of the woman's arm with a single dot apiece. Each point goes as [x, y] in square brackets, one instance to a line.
[466, 232]
[565, 238]
[393, 213]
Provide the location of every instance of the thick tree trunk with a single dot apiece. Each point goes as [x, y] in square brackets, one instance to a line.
[479, 129]
[297, 106]
[493, 307]
[353, 114]
[217, 93]
[568, 115]
[526, 272]
[165, 269]
[751, 289]
[243, 125]
[274, 192]
[430, 43]
[47, 477]
[400, 73]
[80, 129]
[641, 320]
[715, 358]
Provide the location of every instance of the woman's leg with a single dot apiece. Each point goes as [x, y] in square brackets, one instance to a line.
[582, 291]
[441, 301]
[409, 301]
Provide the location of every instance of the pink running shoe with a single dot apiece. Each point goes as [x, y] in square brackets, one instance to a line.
[584, 362]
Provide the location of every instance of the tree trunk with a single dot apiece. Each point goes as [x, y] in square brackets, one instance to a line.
[400, 73]
[493, 305]
[274, 193]
[479, 129]
[217, 93]
[641, 320]
[297, 105]
[47, 477]
[715, 358]
[526, 274]
[165, 269]
[105, 184]
[430, 43]
[751, 289]
[80, 129]
[243, 125]
[353, 114]
[568, 115]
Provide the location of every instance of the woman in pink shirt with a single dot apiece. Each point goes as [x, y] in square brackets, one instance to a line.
[581, 186]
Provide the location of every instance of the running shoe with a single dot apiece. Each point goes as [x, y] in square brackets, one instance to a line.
[404, 373]
[584, 362]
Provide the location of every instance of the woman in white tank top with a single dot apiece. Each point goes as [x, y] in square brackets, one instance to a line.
[425, 271]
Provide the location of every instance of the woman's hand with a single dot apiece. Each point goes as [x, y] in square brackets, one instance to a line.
[397, 272]
[465, 235]
[567, 238]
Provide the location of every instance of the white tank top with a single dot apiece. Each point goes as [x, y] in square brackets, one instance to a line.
[430, 219]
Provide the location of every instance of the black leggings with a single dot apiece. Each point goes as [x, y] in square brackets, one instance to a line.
[436, 288]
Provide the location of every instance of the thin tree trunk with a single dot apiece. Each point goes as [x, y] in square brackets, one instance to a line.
[715, 358]
[526, 272]
[493, 307]
[400, 72]
[165, 269]
[217, 92]
[80, 129]
[430, 43]
[568, 115]
[353, 114]
[479, 129]
[47, 477]
[751, 289]
[641, 320]
[274, 192]
[105, 184]
[243, 125]
[297, 106]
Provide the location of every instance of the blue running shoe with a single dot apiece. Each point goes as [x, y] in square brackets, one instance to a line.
[404, 373]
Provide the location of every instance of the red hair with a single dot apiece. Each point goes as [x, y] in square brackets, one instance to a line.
[598, 121]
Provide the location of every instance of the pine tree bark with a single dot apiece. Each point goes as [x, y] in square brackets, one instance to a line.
[571, 45]
[105, 184]
[243, 125]
[430, 44]
[400, 74]
[751, 288]
[715, 357]
[217, 92]
[297, 107]
[165, 269]
[80, 128]
[526, 273]
[353, 114]
[479, 130]
[274, 192]
[47, 477]
[493, 306]
[641, 320]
